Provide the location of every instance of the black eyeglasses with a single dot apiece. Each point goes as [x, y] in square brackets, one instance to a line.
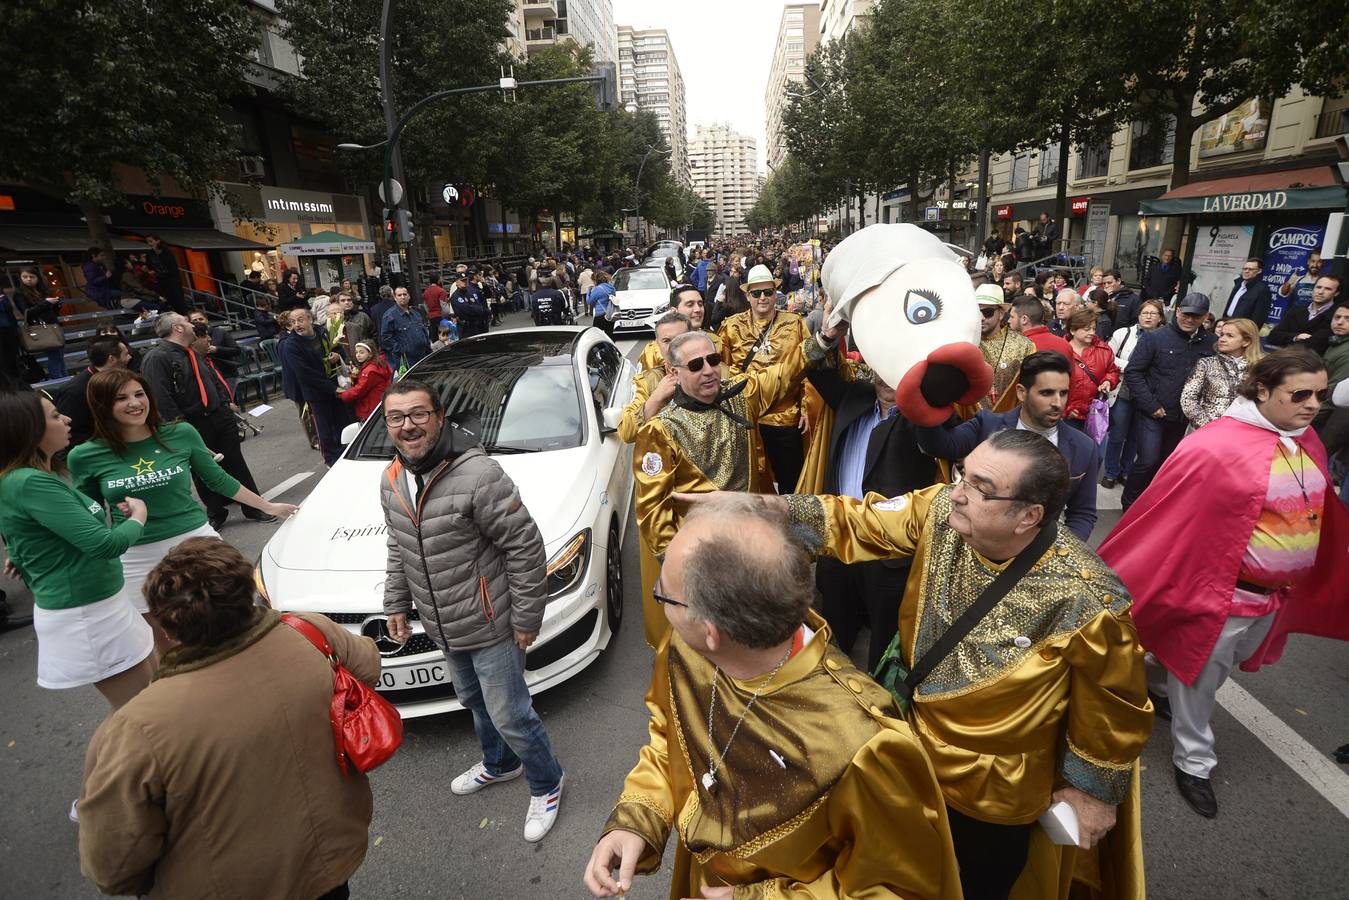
[990, 311]
[958, 471]
[664, 600]
[761, 292]
[1305, 394]
[696, 364]
[416, 417]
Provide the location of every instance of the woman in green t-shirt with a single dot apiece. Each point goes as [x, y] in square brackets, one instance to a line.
[59, 543]
[133, 455]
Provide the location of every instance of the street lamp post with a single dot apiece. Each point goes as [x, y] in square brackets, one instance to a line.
[637, 198]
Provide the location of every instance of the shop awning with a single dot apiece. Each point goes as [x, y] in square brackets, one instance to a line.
[38, 239]
[199, 238]
[1310, 188]
[327, 243]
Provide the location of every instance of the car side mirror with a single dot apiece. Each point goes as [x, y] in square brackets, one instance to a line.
[349, 433]
[610, 418]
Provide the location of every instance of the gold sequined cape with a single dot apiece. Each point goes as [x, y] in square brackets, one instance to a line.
[854, 811]
[1004, 352]
[685, 450]
[1048, 690]
[650, 371]
[787, 332]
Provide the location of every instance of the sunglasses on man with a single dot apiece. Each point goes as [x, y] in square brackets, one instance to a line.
[696, 364]
[1305, 394]
[989, 312]
[762, 292]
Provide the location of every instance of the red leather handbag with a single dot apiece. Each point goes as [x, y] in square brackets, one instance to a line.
[366, 727]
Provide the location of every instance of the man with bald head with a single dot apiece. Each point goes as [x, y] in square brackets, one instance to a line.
[706, 438]
[759, 726]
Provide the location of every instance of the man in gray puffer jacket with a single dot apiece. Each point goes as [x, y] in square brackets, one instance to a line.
[466, 553]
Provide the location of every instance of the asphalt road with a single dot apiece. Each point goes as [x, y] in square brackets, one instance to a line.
[1275, 837]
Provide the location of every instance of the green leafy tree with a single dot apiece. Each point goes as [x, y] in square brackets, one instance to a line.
[143, 85]
[435, 45]
[1197, 60]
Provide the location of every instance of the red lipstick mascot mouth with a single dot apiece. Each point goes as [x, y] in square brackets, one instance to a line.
[913, 315]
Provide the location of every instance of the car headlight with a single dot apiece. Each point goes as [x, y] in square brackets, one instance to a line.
[568, 566]
[259, 584]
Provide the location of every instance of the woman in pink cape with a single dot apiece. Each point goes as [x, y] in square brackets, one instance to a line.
[1234, 546]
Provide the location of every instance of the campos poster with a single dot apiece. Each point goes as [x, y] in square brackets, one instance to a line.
[1285, 253]
[1218, 254]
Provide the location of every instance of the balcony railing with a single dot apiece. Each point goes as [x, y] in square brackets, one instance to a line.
[535, 8]
[1332, 122]
[540, 34]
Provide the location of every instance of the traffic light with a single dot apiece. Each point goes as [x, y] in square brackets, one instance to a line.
[606, 89]
[405, 226]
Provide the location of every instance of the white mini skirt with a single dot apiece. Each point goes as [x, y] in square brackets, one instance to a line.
[89, 643]
[138, 562]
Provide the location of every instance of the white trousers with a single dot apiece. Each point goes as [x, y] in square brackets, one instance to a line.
[1192, 705]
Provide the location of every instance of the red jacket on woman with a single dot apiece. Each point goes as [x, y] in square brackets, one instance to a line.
[367, 390]
[1100, 359]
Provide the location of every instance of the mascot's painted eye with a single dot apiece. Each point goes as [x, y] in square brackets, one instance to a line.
[921, 307]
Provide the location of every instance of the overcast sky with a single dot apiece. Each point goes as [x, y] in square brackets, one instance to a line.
[724, 48]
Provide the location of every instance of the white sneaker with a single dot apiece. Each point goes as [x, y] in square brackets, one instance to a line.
[477, 778]
[74, 814]
[543, 813]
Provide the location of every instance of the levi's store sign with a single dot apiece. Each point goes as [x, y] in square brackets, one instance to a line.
[1078, 206]
[1003, 212]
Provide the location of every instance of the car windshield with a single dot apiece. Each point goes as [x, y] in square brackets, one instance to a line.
[640, 280]
[514, 403]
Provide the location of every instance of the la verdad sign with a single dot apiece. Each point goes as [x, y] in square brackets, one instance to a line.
[1246, 202]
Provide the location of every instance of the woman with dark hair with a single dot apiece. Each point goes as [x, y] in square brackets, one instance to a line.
[58, 543]
[732, 298]
[35, 308]
[221, 779]
[1249, 494]
[1099, 302]
[290, 295]
[133, 454]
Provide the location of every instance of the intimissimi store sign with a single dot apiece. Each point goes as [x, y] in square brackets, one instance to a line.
[273, 204]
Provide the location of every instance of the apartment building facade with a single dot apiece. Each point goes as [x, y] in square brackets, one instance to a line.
[548, 23]
[649, 79]
[723, 165]
[798, 35]
[1261, 184]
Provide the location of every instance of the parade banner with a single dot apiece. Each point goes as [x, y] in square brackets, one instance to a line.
[1285, 254]
[1218, 254]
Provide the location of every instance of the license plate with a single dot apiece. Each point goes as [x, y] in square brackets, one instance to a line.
[408, 677]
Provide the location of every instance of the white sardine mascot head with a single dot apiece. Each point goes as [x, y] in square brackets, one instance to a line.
[913, 316]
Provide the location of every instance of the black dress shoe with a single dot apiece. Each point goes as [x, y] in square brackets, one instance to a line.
[9, 621]
[217, 519]
[1161, 706]
[1107, 482]
[1198, 792]
[264, 518]
[1342, 754]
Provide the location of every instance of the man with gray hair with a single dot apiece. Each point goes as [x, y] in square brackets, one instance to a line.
[705, 438]
[186, 387]
[761, 726]
[1026, 691]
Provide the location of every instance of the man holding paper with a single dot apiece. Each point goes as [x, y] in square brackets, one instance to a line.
[1041, 698]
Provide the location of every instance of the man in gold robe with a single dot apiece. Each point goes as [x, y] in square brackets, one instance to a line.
[785, 770]
[1044, 700]
[754, 340]
[705, 439]
[1003, 348]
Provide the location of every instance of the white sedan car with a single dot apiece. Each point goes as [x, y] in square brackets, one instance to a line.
[641, 296]
[539, 398]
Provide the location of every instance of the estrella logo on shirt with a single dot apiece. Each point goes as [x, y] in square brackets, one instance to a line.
[148, 479]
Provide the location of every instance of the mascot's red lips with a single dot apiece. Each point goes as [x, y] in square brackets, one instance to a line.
[955, 373]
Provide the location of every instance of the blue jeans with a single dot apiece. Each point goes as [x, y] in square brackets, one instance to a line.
[56, 363]
[1119, 442]
[491, 683]
[1155, 440]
